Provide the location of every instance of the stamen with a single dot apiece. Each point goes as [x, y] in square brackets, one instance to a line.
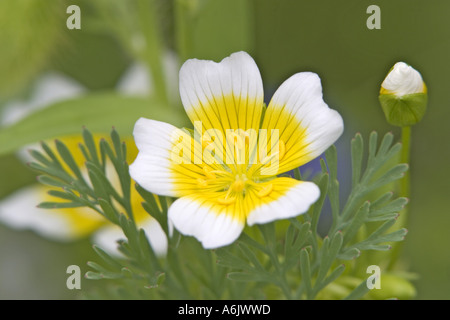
[209, 174]
[265, 191]
[220, 172]
[202, 183]
[226, 201]
[206, 142]
[238, 185]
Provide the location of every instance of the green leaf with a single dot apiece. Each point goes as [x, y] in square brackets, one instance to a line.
[228, 259]
[373, 141]
[293, 246]
[63, 195]
[395, 236]
[90, 144]
[331, 156]
[306, 271]
[49, 181]
[52, 171]
[358, 292]
[98, 112]
[105, 273]
[349, 254]
[101, 179]
[250, 255]
[66, 155]
[147, 252]
[385, 144]
[394, 206]
[357, 147]
[393, 174]
[381, 200]
[330, 250]
[93, 275]
[245, 239]
[59, 205]
[107, 258]
[99, 187]
[323, 186]
[336, 273]
[250, 277]
[358, 220]
[108, 211]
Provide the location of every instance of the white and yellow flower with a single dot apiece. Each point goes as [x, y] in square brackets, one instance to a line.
[403, 95]
[228, 176]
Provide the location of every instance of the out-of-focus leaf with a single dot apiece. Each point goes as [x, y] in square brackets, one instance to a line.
[96, 61]
[29, 31]
[98, 112]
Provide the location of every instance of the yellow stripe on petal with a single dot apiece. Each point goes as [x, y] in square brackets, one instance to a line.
[225, 95]
[306, 125]
[280, 198]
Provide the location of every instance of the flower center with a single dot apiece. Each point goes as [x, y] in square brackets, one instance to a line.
[239, 184]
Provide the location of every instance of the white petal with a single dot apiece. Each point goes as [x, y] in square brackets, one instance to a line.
[156, 236]
[151, 169]
[19, 211]
[301, 96]
[106, 238]
[136, 81]
[223, 95]
[199, 219]
[295, 201]
[403, 79]
[50, 88]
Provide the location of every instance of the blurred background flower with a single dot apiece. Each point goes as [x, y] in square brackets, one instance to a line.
[117, 37]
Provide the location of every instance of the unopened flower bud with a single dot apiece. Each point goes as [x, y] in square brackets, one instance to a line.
[403, 96]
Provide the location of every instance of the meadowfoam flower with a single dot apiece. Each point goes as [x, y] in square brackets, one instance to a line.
[225, 172]
[403, 95]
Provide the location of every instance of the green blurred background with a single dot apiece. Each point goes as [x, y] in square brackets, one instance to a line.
[284, 37]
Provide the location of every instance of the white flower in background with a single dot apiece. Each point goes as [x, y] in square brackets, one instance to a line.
[50, 88]
[136, 80]
[403, 95]
[19, 210]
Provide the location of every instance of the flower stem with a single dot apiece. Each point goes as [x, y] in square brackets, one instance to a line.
[405, 158]
[153, 52]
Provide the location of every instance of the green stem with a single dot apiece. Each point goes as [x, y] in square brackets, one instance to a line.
[405, 158]
[183, 29]
[153, 52]
[268, 232]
